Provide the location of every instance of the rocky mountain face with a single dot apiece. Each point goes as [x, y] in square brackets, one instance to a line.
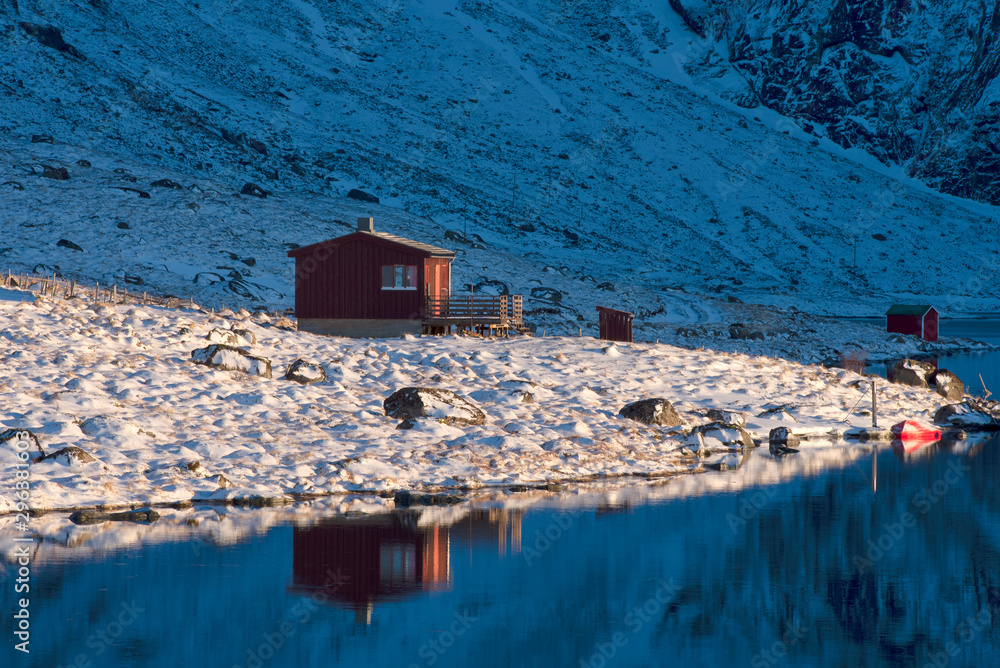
[909, 81]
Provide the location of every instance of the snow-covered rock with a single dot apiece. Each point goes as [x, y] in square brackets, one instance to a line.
[965, 415]
[306, 373]
[657, 411]
[442, 405]
[947, 384]
[232, 359]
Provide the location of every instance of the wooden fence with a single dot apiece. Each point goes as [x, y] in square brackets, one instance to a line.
[60, 288]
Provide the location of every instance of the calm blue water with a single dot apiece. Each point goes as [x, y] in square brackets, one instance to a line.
[817, 571]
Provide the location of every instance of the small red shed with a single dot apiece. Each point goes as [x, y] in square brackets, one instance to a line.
[368, 283]
[615, 325]
[913, 319]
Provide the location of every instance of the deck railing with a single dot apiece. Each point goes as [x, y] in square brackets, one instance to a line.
[477, 309]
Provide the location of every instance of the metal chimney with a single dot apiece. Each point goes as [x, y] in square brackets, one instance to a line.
[366, 224]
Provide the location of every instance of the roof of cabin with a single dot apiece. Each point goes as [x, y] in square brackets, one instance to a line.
[909, 309]
[426, 250]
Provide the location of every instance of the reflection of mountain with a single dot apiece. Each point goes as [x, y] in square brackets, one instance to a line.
[358, 561]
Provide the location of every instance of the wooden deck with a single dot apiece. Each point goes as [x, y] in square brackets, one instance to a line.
[485, 315]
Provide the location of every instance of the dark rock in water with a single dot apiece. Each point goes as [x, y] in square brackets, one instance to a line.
[969, 415]
[14, 184]
[526, 227]
[652, 412]
[57, 173]
[51, 37]
[85, 517]
[879, 237]
[781, 441]
[305, 372]
[606, 286]
[911, 372]
[70, 454]
[65, 243]
[167, 183]
[947, 384]
[41, 139]
[362, 196]
[405, 499]
[443, 405]
[124, 226]
[254, 190]
[83, 163]
[249, 261]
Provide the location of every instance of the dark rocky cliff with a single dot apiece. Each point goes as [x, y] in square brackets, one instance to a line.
[908, 81]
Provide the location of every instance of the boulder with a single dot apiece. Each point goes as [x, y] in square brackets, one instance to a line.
[911, 372]
[254, 190]
[443, 405]
[57, 173]
[167, 183]
[305, 372]
[727, 417]
[223, 336]
[245, 336]
[715, 435]
[226, 357]
[66, 243]
[70, 455]
[781, 441]
[362, 196]
[653, 412]
[738, 331]
[12, 439]
[947, 384]
[968, 415]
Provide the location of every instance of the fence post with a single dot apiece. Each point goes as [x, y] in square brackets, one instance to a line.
[874, 406]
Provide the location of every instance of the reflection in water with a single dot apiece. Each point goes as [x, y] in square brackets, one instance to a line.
[358, 561]
[814, 571]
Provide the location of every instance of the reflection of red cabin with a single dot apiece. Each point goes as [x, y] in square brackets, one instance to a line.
[360, 561]
[497, 527]
[914, 320]
[368, 283]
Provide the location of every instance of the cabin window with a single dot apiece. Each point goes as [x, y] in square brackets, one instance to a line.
[399, 277]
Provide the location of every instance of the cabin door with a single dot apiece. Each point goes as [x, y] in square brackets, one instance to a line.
[437, 278]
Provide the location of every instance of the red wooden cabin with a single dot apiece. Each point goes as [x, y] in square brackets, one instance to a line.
[914, 320]
[368, 284]
[615, 325]
[374, 284]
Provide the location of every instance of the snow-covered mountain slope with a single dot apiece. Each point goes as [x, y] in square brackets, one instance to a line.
[556, 133]
[913, 83]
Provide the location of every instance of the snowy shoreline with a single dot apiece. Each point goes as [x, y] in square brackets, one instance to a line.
[118, 382]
